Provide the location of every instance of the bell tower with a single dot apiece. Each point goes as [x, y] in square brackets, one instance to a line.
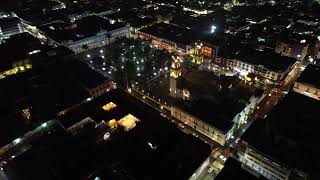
[175, 74]
[197, 53]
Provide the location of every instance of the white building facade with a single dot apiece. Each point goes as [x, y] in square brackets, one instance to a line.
[258, 163]
[100, 39]
[213, 132]
[307, 90]
[245, 68]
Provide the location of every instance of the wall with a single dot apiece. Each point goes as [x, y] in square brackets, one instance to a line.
[199, 125]
[101, 89]
[262, 165]
[307, 90]
[246, 68]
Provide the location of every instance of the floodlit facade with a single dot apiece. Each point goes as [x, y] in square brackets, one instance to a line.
[245, 68]
[307, 84]
[175, 74]
[109, 106]
[307, 90]
[212, 132]
[199, 125]
[100, 39]
[264, 166]
[128, 122]
[101, 88]
[298, 51]
[17, 67]
[10, 27]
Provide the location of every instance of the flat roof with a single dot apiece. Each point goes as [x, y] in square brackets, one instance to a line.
[233, 169]
[310, 76]
[289, 134]
[9, 22]
[169, 32]
[211, 105]
[83, 74]
[45, 89]
[265, 57]
[86, 27]
[126, 155]
[17, 48]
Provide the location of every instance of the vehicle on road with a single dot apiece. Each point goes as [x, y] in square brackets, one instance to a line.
[181, 125]
[195, 134]
[163, 115]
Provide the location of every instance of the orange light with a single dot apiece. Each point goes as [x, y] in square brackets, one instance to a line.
[109, 106]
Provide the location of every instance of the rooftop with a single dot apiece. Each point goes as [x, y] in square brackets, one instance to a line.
[80, 29]
[9, 22]
[265, 57]
[225, 96]
[169, 32]
[87, 77]
[310, 76]
[144, 152]
[44, 90]
[13, 49]
[292, 127]
[232, 169]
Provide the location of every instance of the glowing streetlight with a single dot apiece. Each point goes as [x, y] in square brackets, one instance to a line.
[43, 125]
[213, 29]
[17, 141]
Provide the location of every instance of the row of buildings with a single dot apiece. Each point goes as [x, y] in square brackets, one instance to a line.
[283, 145]
[9, 25]
[86, 33]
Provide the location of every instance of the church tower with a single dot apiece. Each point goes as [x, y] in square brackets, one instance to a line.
[175, 74]
[198, 53]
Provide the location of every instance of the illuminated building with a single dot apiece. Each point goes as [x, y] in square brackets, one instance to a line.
[197, 53]
[264, 63]
[109, 106]
[219, 118]
[293, 48]
[112, 123]
[9, 27]
[307, 84]
[167, 36]
[17, 67]
[95, 32]
[128, 122]
[278, 146]
[175, 74]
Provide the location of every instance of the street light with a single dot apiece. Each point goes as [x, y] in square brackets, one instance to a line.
[43, 125]
[17, 141]
[213, 29]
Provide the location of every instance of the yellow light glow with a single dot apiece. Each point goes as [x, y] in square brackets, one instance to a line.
[186, 93]
[109, 106]
[113, 124]
[247, 78]
[128, 122]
